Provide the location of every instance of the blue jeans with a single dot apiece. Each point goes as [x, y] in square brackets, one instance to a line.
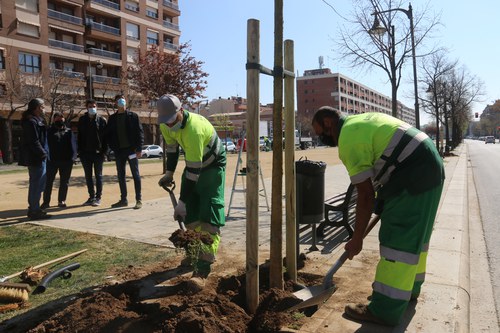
[122, 156]
[38, 177]
[93, 161]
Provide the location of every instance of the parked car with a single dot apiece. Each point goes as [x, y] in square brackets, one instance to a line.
[152, 151]
[229, 144]
[489, 139]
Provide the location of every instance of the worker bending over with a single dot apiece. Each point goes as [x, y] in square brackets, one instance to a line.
[393, 161]
[201, 202]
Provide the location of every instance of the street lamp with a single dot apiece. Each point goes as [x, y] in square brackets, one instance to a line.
[378, 29]
[99, 66]
[199, 105]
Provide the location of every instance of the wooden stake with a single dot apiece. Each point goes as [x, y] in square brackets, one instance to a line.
[276, 268]
[291, 226]
[252, 191]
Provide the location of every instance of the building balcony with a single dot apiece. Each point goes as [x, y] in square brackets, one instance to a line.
[104, 53]
[170, 4]
[105, 79]
[106, 3]
[68, 74]
[174, 7]
[170, 46]
[65, 45]
[171, 25]
[103, 28]
[64, 17]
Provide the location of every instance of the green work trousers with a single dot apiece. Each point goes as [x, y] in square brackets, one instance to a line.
[405, 231]
[206, 213]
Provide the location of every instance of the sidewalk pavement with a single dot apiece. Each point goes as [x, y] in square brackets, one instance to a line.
[442, 307]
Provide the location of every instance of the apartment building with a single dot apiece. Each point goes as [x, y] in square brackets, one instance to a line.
[319, 87]
[79, 48]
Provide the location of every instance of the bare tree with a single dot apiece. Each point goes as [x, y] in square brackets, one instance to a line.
[464, 90]
[435, 71]
[64, 91]
[388, 52]
[20, 88]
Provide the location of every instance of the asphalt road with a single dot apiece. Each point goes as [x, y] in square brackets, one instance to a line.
[485, 163]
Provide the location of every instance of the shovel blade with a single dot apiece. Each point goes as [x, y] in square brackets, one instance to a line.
[313, 295]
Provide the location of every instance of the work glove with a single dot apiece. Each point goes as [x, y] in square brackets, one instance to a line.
[180, 211]
[167, 179]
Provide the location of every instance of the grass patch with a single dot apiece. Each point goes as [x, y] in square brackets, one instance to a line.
[30, 245]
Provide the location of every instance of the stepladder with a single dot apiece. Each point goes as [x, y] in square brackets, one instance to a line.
[240, 172]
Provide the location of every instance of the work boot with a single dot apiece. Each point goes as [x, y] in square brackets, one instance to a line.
[360, 312]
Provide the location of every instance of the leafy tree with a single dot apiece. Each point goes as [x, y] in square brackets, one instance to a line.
[157, 72]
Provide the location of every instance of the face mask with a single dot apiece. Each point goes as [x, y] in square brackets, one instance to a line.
[59, 123]
[327, 140]
[176, 127]
[92, 111]
[121, 103]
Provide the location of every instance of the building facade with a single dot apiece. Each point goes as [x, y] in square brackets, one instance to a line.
[321, 87]
[80, 48]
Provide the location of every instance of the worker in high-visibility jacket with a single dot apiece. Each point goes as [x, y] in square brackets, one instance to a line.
[201, 202]
[395, 163]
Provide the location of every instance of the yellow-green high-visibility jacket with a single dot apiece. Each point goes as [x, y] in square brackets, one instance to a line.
[390, 152]
[202, 148]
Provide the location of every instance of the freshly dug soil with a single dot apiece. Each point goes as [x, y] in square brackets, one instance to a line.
[162, 302]
[183, 238]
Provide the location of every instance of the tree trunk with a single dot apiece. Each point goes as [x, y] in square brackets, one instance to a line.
[6, 140]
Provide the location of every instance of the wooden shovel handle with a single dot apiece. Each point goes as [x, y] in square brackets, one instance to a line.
[71, 255]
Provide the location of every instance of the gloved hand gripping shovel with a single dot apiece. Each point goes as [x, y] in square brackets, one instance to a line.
[315, 295]
[174, 203]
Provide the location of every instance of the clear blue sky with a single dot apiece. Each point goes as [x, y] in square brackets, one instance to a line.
[217, 33]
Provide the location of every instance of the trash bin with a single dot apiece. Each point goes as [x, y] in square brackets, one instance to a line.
[310, 192]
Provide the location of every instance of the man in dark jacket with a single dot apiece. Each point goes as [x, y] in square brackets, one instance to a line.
[61, 147]
[126, 137]
[91, 147]
[34, 153]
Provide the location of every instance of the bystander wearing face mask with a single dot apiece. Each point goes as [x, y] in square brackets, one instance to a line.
[121, 103]
[92, 111]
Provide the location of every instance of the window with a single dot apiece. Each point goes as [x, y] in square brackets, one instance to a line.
[28, 29]
[131, 54]
[131, 5]
[2, 60]
[29, 63]
[68, 66]
[30, 5]
[132, 31]
[152, 37]
[152, 12]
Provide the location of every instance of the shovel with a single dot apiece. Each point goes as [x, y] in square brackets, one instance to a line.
[318, 294]
[174, 202]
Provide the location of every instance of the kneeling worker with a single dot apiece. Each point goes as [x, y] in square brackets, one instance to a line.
[201, 202]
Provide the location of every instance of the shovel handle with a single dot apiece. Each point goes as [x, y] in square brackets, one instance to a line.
[328, 280]
[170, 191]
